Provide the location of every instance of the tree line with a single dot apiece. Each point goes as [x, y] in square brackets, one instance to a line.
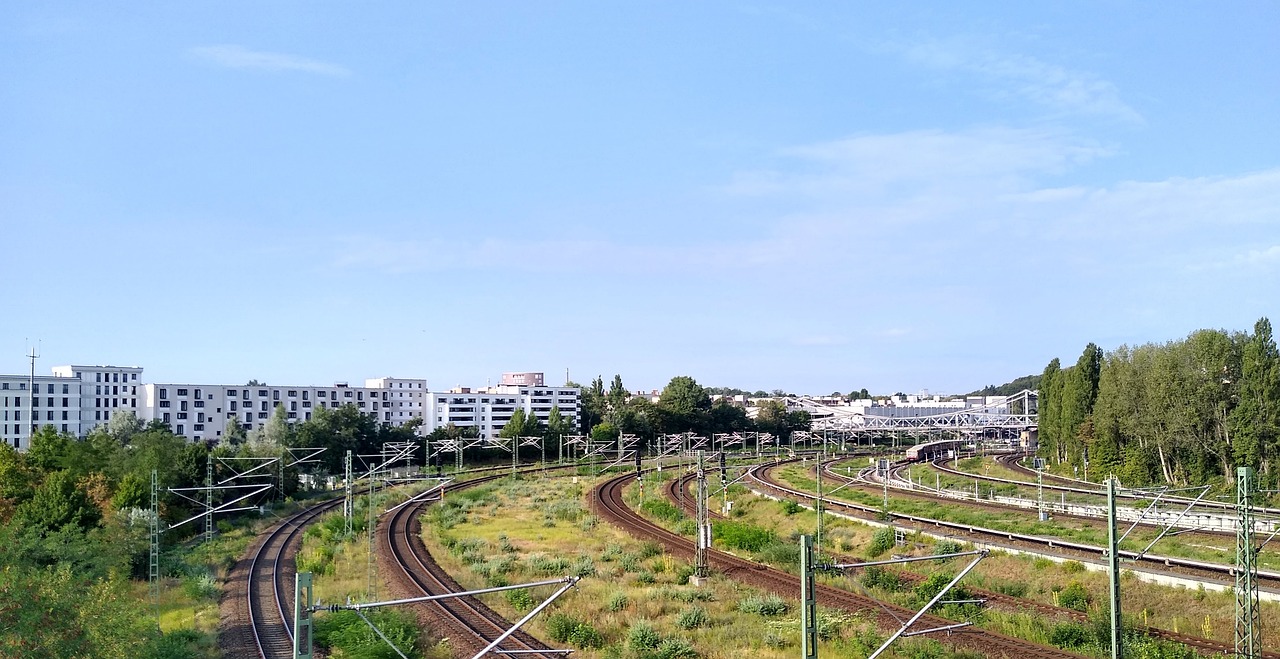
[682, 406]
[1184, 412]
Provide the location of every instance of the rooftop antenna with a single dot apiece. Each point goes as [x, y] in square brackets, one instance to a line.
[566, 376]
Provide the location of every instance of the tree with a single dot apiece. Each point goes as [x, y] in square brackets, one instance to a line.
[593, 405]
[684, 406]
[48, 449]
[58, 502]
[1050, 406]
[618, 394]
[234, 434]
[558, 424]
[1255, 421]
[772, 417]
[123, 426]
[725, 417]
[605, 432]
[521, 425]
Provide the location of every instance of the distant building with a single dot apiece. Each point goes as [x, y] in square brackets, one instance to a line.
[73, 400]
[488, 409]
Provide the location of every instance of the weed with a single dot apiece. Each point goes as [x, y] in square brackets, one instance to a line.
[766, 605]
[881, 542]
[877, 577]
[643, 637]
[617, 602]
[520, 599]
[692, 618]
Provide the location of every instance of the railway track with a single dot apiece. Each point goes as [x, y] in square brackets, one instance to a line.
[609, 505]
[1207, 647]
[256, 620]
[260, 591]
[1173, 566]
[469, 621]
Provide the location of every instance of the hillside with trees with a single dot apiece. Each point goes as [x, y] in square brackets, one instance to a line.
[1180, 413]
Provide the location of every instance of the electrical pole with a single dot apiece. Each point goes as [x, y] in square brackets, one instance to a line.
[208, 498]
[31, 400]
[348, 502]
[808, 601]
[1113, 571]
[704, 525]
[817, 507]
[153, 570]
[1248, 643]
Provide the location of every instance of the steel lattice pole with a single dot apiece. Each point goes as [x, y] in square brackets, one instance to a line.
[1248, 643]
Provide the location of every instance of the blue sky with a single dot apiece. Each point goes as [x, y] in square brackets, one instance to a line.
[806, 196]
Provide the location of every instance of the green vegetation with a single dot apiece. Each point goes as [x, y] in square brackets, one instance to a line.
[1183, 412]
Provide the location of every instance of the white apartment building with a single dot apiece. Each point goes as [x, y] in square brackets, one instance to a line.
[203, 412]
[73, 400]
[104, 390]
[488, 409]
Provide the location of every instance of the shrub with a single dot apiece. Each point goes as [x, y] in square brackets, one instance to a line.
[926, 589]
[789, 507]
[1070, 635]
[564, 628]
[584, 566]
[645, 577]
[650, 549]
[629, 563]
[611, 553]
[1074, 596]
[663, 510]
[643, 637]
[782, 554]
[520, 599]
[738, 535]
[1072, 567]
[675, 648]
[1012, 589]
[877, 577]
[946, 547]
[617, 602]
[683, 573]
[767, 605]
[546, 565]
[881, 542]
[586, 637]
[692, 618]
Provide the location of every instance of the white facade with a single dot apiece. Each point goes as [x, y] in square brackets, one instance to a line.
[104, 390]
[490, 408]
[203, 412]
[25, 406]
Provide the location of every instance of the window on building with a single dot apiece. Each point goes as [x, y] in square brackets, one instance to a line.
[50, 387]
[182, 392]
[197, 393]
[165, 417]
[232, 406]
[180, 431]
[99, 379]
[164, 393]
[275, 394]
[293, 393]
[262, 393]
[231, 393]
[182, 405]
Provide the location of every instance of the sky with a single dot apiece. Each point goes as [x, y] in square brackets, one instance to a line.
[814, 197]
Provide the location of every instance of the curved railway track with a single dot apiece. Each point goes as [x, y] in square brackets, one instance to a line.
[468, 620]
[1215, 573]
[609, 504]
[257, 622]
[1208, 647]
[260, 590]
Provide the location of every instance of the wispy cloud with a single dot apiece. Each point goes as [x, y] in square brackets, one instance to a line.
[1054, 86]
[235, 56]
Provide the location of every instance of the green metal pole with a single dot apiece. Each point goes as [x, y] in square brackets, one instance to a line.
[817, 507]
[1248, 643]
[349, 501]
[153, 570]
[302, 616]
[808, 601]
[1113, 565]
[208, 498]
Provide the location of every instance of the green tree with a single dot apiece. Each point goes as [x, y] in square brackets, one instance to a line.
[48, 449]
[1255, 421]
[684, 406]
[725, 417]
[605, 432]
[1050, 411]
[521, 425]
[557, 425]
[123, 426]
[58, 502]
[592, 404]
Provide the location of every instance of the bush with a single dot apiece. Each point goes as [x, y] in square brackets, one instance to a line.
[779, 553]
[617, 602]
[1069, 636]
[663, 510]
[584, 566]
[692, 618]
[946, 547]
[675, 648]
[1072, 567]
[345, 631]
[611, 553]
[645, 577]
[564, 628]
[549, 566]
[881, 542]
[877, 577]
[520, 599]
[643, 637]
[1074, 596]
[683, 573]
[789, 507]
[738, 535]
[1012, 589]
[767, 605]
[650, 549]
[926, 589]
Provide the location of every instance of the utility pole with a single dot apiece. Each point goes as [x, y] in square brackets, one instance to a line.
[348, 502]
[817, 507]
[1248, 642]
[31, 400]
[208, 498]
[1039, 464]
[302, 609]
[808, 601]
[1113, 571]
[153, 570]
[370, 525]
[700, 569]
